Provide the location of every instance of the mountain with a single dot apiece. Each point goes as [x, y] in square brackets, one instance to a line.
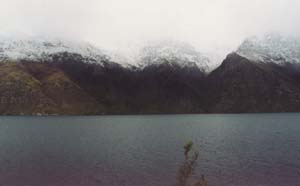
[162, 88]
[271, 48]
[36, 88]
[174, 53]
[58, 77]
[263, 75]
[170, 88]
[41, 50]
[240, 85]
[33, 82]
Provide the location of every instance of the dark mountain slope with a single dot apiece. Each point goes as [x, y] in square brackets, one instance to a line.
[169, 88]
[162, 88]
[240, 85]
[108, 83]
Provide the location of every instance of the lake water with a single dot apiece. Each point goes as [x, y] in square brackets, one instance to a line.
[235, 150]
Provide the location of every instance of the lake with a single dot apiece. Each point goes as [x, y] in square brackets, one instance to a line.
[235, 150]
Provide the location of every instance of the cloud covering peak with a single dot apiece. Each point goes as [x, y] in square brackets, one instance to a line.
[124, 26]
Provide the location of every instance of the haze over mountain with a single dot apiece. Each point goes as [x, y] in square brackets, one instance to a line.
[36, 49]
[172, 52]
[272, 47]
[124, 27]
[63, 77]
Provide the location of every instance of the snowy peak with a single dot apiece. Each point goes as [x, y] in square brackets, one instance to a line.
[271, 48]
[174, 53]
[41, 50]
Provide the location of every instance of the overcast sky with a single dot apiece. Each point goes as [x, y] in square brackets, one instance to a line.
[125, 24]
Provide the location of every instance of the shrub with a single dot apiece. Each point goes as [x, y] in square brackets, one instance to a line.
[187, 168]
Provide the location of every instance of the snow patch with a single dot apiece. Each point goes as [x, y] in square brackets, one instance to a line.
[41, 50]
[272, 47]
[172, 52]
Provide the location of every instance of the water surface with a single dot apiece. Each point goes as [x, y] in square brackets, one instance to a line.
[235, 150]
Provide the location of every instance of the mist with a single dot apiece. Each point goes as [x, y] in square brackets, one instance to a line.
[125, 26]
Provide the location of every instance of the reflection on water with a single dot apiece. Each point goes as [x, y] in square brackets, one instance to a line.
[235, 150]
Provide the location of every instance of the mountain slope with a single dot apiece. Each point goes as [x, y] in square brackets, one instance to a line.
[240, 85]
[161, 88]
[169, 88]
[20, 93]
[37, 88]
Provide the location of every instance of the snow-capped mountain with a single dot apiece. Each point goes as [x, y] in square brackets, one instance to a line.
[42, 50]
[173, 52]
[271, 48]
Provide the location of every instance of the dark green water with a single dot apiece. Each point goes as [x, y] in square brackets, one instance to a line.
[235, 150]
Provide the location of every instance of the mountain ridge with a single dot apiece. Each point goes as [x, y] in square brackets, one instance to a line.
[70, 83]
